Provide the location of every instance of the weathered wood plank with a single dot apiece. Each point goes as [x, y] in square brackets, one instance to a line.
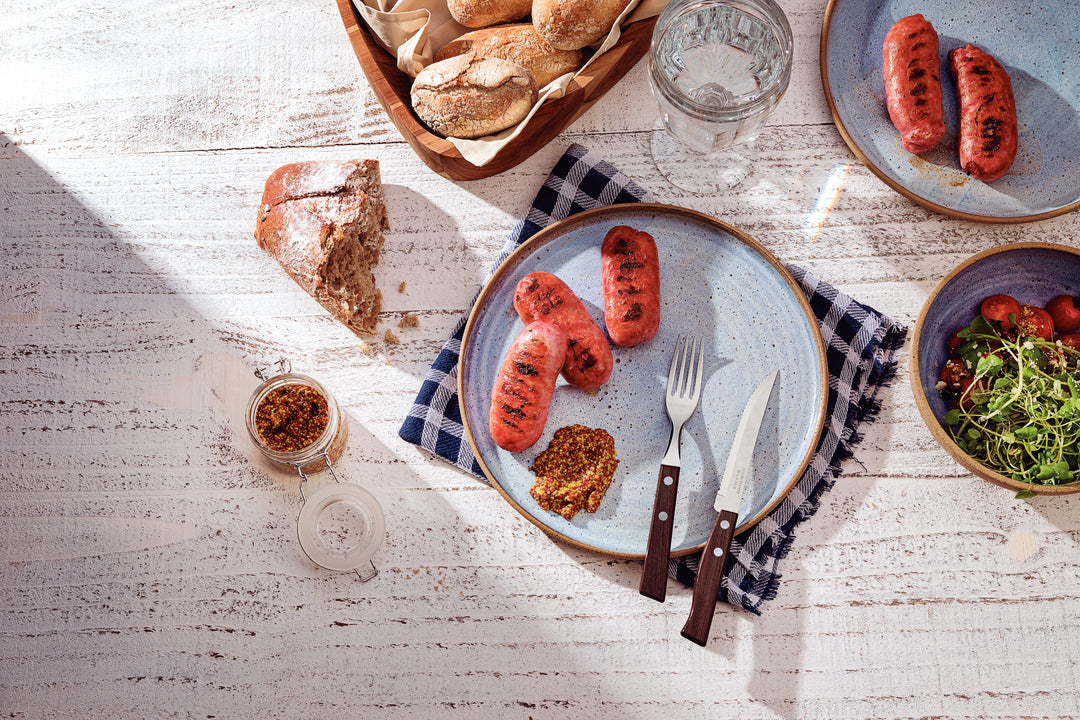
[149, 563]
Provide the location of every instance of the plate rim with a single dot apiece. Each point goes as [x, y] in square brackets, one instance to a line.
[883, 176]
[583, 217]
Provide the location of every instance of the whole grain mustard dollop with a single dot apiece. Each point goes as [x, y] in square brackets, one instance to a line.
[575, 471]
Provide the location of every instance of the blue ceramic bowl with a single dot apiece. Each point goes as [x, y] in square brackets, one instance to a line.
[1033, 273]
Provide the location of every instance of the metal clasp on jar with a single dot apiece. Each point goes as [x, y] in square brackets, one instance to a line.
[363, 505]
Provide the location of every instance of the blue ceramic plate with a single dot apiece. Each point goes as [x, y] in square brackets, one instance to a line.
[1033, 273]
[1039, 46]
[715, 282]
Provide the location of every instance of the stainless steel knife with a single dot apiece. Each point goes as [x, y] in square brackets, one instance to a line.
[733, 488]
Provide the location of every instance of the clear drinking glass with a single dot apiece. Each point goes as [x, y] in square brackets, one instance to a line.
[717, 68]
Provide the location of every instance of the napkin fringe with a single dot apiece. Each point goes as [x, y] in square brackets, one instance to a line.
[881, 375]
[767, 587]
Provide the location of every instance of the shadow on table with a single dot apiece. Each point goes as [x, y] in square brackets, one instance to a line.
[128, 479]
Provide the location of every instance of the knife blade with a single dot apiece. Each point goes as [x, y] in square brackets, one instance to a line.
[729, 498]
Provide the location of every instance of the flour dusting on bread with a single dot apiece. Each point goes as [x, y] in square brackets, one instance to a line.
[323, 221]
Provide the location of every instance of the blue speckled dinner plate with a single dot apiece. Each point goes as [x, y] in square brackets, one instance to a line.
[715, 282]
[1039, 46]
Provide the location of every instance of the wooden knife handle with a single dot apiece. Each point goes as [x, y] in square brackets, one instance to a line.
[654, 574]
[707, 583]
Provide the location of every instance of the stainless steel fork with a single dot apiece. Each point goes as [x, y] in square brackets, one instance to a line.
[683, 392]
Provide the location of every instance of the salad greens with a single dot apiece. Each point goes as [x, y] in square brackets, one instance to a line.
[1019, 414]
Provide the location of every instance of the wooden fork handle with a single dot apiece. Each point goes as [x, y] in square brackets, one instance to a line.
[707, 583]
[654, 573]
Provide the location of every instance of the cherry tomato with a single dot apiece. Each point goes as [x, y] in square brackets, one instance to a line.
[971, 391]
[998, 308]
[1071, 340]
[1065, 312]
[954, 372]
[955, 341]
[1035, 321]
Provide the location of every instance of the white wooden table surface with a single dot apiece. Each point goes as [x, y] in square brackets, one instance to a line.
[149, 562]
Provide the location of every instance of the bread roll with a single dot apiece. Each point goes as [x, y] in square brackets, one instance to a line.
[469, 96]
[323, 222]
[573, 24]
[519, 43]
[481, 13]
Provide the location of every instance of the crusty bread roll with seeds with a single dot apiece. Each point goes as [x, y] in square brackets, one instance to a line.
[519, 43]
[469, 96]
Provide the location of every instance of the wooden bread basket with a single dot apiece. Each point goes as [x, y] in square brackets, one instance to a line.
[391, 86]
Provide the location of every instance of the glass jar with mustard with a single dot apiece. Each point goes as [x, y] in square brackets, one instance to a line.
[297, 425]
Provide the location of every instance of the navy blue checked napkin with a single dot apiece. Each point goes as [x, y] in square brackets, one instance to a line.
[860, 343]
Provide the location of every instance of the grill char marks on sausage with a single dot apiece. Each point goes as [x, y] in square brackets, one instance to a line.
[913, 83]
[631, 275]
[523, 388]
[525, 368]
[515, 389]
[543, 296]
[628, 274]
[991, 130]
[544, 299]
[988, 122]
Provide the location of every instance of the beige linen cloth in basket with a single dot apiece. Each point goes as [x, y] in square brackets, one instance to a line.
[411, 31]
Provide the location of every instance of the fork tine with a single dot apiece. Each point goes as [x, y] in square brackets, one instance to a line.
[688, 374]
[690, 368]
[680, 388]
[700, 367]
[684, 372]
[687, 365]
[672, 377]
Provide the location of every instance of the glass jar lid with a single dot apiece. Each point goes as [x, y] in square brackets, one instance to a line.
[340, 527]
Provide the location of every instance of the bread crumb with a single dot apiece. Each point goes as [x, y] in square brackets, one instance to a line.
[401, 287]
[409, 320]
[365, 347]
[390, 337]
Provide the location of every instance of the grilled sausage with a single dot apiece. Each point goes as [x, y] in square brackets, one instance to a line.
[631, 277]
[988, 126]
[521, 396]
[543, 296]
[913, 83]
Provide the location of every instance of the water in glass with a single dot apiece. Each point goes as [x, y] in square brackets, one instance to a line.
[717, 68]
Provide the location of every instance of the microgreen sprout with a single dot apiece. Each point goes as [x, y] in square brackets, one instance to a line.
[1020, 414]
